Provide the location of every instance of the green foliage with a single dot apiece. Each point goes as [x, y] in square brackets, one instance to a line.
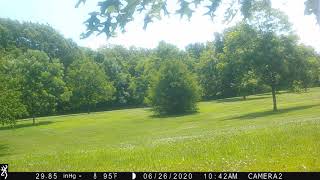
[42, 84]
[257, 55]
[11, 106]
[210, 75]
[140, 84]
[273, 48]
[119, 65]
[174, 90]
[297, 86]
[40, 37]
[304, 67]
[165, 51]
[239, 43]
[89, 84]
[195, 50]
[248, 84]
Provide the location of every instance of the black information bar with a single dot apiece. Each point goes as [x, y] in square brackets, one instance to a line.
[160, 175]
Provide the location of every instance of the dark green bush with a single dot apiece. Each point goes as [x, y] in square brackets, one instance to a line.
[174, 90]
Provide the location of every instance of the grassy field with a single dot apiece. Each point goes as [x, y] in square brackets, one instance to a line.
[226, 135]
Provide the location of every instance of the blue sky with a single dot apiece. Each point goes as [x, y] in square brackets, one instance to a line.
[68, 20]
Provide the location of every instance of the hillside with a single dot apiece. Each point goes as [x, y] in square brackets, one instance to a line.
[225, 135]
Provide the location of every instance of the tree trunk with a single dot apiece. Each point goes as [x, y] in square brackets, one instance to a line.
[33, 119]
[274, 98]
[244, 97]
[88, 108]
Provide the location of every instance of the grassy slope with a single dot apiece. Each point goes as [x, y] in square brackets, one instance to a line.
[229, 135]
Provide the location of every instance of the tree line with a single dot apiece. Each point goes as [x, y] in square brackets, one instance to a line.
[42, 73]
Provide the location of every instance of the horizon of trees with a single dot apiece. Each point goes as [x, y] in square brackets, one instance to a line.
[42, 73]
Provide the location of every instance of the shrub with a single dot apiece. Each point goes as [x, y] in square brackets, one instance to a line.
[297, 86]
[174, 90]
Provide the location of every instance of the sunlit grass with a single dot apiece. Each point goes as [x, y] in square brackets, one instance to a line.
[226, 135]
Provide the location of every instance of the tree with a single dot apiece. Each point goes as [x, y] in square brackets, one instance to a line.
[305, 68]
[195, 50]
[259, 52]
[174, 90]
[248, 84]
[210, 74]
[271, 55]
[11, 106]
[27, 35]
[88, 83]
[42, 84]
[165, 51]
[239, 48]
[140, 84]
[169, 52]
[116, 64]
[270, 63]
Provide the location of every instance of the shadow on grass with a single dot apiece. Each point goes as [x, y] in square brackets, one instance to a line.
[25, 125]
[172, 115]
[237, 99]
[4, 150]
[270, 112]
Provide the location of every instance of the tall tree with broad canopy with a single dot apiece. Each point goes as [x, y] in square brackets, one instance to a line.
[209, 70]
[239, 52]
[305, 68]
[11, 106]
[116, 63]
[89, 84]
[28, 35]
[273, 50]
[42, 84]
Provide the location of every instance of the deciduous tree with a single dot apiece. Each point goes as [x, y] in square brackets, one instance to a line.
[89, 84]
[42, 84]
[11, 106]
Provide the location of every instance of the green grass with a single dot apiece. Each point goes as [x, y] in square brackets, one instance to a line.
[226, 135]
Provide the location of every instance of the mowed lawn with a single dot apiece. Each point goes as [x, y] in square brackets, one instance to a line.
[225, 135]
